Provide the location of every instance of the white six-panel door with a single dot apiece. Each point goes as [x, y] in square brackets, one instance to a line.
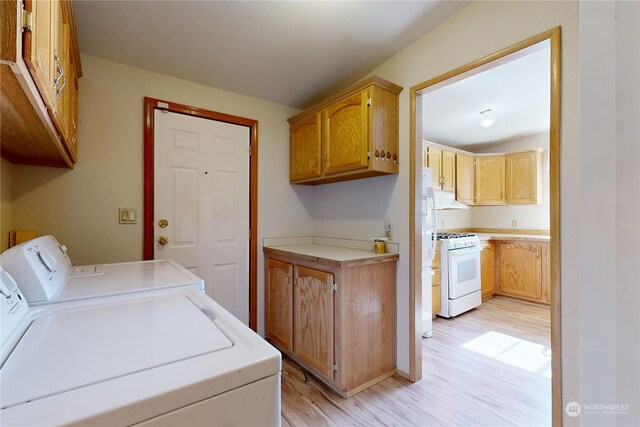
[201, 188]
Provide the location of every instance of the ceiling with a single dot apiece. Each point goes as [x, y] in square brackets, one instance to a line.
[517, 91]
[293, 53]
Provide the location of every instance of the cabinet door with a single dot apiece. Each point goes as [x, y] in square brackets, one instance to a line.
[435, 300]
[279, 303]
[488, 270]
[489, 181]
[520, 270]
[305, 145]
[60, 108]
[434, 161]
[314, 316]
[464, 179]
[345, 134]
[522, 178]
[39, 46]
[448, 171]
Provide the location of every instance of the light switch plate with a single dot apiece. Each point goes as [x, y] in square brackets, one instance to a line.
[128, 216]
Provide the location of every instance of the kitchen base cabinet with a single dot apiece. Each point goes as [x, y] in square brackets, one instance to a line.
[488, 270]
[522, 270]
[344, 316]
[278, 282]
[435, 283]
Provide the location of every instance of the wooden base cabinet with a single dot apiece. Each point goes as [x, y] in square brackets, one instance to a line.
[488, 270]
[522, 270]
[436, 285]
[341, 314]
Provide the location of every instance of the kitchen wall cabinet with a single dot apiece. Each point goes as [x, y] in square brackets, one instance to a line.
[351, 135]
[448, 171]
[465, 179]
[490, 180]
[39, 87]
[488, 270]
[434, 162]
[524, 178]
[305, 148]
[522, 270]
[443, 167]
[344, 316]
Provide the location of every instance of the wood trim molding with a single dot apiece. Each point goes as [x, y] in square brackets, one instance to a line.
[415, 297]
[151, 104]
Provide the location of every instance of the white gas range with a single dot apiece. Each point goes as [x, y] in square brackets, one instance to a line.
[460, 273]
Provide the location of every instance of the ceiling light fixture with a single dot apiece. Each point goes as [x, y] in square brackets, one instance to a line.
[487, 118]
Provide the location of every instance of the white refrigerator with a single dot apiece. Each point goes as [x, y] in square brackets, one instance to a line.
[429, 235]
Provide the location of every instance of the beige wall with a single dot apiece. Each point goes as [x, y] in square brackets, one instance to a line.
[80, 206]
[477, 30]
[531, 217]
[5, 203]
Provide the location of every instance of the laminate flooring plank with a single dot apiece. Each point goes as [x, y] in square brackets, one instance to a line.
[487, 367]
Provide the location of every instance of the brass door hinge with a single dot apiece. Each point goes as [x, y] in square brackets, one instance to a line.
[27, 19]
[335, 287]
[369, 102]
[335, 367]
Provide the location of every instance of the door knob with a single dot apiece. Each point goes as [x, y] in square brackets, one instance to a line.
[163, 223]
[163, 240]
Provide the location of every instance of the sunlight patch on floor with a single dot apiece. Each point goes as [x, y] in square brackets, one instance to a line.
[513, 351]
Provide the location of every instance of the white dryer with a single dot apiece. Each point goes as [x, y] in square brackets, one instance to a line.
[168, 357]
[43, 269]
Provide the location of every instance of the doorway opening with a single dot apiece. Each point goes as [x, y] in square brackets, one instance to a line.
[152, 105]
[418, 95]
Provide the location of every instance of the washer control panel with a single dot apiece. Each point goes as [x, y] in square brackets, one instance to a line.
[39, 267]
[13, 305]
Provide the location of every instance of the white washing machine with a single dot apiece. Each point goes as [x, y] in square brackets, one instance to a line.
[43, 269]
[167, 357]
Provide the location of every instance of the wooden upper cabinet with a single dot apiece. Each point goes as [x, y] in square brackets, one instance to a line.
[358, 134]
[345, 134]
[490, 180]
[425, 155]
[524, 178]
[314, 314]
[434, 162]
[305, 146]
[279, 302]
[40, 47]
[448, 171]
[41, 65]
[465, 179]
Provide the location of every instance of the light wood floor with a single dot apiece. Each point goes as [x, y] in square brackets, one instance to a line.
[487, 367]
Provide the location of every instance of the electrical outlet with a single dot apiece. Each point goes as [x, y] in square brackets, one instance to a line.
[514, 223]
[387, 228]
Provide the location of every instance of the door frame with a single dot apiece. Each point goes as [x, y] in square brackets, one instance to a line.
[152, 104]
[415, 236]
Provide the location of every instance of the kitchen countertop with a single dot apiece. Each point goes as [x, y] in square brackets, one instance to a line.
[330, 254]
[497, 236]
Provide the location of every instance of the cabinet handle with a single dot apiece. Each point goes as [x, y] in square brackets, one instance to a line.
[60, 71]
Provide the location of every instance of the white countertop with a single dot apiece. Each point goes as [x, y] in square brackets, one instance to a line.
[334, 253]
[488, 236]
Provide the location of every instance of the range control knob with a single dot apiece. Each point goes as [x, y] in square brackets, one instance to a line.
[47, 260]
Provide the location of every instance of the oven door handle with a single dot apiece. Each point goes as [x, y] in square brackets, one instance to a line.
[465, 251]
